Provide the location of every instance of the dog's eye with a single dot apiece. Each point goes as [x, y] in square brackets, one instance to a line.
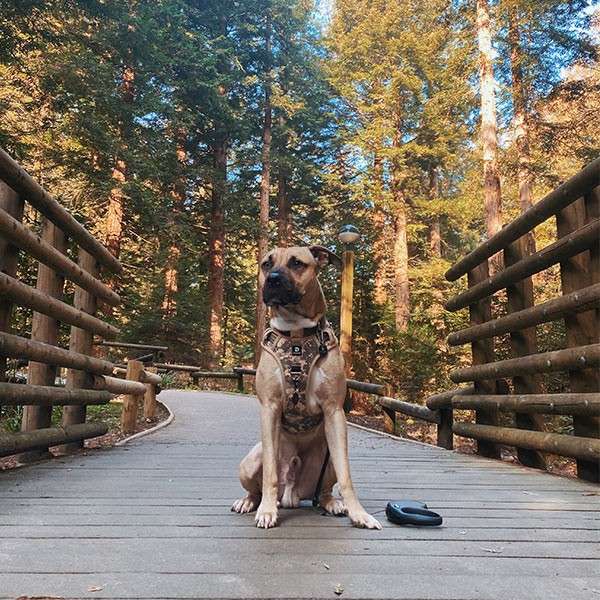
[296, 264]
[267, 264]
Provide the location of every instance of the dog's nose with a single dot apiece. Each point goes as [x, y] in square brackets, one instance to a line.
[274, 278]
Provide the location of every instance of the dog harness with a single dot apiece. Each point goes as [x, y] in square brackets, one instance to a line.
[297, 352]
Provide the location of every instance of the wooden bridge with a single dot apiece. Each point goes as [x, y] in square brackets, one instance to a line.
[151, 519]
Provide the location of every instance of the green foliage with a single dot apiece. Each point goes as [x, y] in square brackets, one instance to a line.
[385, 90]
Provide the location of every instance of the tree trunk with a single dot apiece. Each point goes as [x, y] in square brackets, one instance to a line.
[169, 303]
[401, 283]
[216, 249]
[489, 137]
[435, 235]
[402, 311]
[380, 243]
[284, 213]
[114, 216]
[284, 216]
[263, 221]
[521, 125]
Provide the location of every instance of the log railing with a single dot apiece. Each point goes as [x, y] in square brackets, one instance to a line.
[576, 208]
[89, 379]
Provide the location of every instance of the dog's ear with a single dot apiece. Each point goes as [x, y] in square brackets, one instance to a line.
[325, 257]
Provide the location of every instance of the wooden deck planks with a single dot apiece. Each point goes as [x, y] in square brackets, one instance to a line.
[152, 520]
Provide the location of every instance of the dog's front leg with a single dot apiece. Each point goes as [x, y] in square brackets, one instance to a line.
[270, 422]
[336, 432]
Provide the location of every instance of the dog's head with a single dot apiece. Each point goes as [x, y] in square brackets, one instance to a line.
[286, 274]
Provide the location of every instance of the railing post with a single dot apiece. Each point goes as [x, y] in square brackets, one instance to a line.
[581, 328]
[44, 329]
[130, 401]
[9, 254]
[445, 438]
[483, 352]
[389, 415]
[150, 398]
[80, 341]
[520, 296]
[240, 383]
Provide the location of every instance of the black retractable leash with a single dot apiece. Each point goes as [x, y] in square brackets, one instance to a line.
[411, 512]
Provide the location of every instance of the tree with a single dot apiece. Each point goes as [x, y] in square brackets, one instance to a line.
[489, 137]
[265, 190]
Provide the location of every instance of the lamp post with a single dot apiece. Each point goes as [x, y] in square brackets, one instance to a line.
[348, 235]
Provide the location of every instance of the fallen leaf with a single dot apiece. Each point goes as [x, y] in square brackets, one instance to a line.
[493, 550]
[591, 494]
[339, 590]
[326, 566]
[95, 588]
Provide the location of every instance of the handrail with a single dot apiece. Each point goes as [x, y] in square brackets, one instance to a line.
[115, 344]
[27, 187]
[576, 206]
[564, 248]
[557, 200]
[89, 378]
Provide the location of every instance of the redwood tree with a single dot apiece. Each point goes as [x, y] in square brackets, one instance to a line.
[489, 136]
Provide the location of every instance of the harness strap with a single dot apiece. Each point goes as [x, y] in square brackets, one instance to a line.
[296, 358]
[315, 500]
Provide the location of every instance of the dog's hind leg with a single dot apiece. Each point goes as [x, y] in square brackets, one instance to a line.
[327, 501]
[250, 478]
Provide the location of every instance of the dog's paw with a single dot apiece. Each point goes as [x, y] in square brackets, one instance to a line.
[266, 517]
[334, 506]
[364, 520]
[245, 505]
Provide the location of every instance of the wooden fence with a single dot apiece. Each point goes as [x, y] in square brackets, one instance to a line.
[576, 207]
[90, 379]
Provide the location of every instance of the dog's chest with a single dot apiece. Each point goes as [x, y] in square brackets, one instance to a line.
[297, 357]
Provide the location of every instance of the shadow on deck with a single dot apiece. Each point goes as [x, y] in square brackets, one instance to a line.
[152, 520]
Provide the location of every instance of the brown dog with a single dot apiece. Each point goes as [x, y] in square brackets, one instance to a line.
[284, 468]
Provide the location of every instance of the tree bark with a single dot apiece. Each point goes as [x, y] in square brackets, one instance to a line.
[489, 136]
[116, 198]
[521, 125]
[169, 303]
[216, 249]
[284, 215]
[114, 215]
[401, 283]
[435, 235]
[380, 243]
[402, 287]
[263, 226]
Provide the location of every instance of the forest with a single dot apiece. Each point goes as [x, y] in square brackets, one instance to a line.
[192, 135]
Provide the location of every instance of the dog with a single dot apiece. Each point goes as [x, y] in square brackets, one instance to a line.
[299, 423]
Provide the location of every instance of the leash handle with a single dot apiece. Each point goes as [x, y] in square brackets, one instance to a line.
[315, 501]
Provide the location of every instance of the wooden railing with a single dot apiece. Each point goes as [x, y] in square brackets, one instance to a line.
[576, 207]
[89, 379]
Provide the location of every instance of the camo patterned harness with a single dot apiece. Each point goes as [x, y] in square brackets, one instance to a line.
[297, 355]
